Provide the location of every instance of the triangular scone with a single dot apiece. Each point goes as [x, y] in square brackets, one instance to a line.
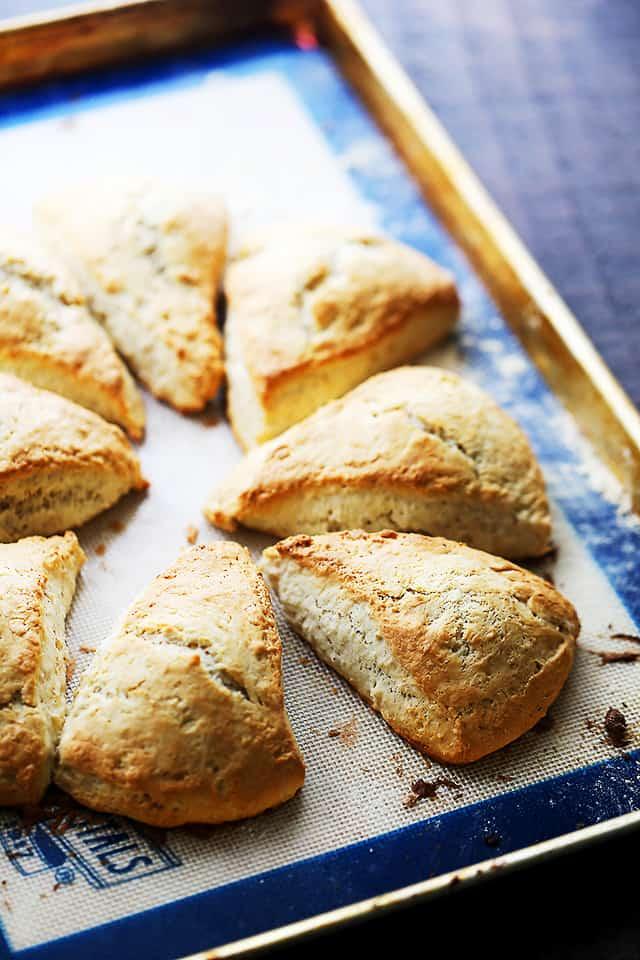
[181, 717]
[313, 312]
[48, 336]
[416, 449]
[461, 652]
[149, 256]
[37, 583]
[60, 464]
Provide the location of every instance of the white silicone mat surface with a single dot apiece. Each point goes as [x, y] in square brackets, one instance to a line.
[251, 139]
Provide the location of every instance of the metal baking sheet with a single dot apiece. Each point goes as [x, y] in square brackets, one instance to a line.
[272, 126]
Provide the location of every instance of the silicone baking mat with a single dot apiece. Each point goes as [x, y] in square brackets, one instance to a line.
[275, 130]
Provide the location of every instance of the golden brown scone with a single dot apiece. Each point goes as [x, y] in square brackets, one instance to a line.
[149, 256]
[180, 717]
[460, 652]
[416, 449]
[48, 336]
[60, 465]
[37, 583]
[312, 312]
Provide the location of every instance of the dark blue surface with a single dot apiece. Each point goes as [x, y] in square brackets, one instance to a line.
[543, 97]
[445, 842]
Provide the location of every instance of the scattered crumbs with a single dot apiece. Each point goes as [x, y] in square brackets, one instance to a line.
[544, 724]
[396, 760]
[425, 790]
[192, 534]
[71, 667]
[101, 550]
[492, 839]
[304, 661]
[625, 636]
[346, 732]
[85, 649]
[621, 656]
[334, 691]
[588, 723]
[117, 526]
[56, 886]
[4, 883]
[43, 896]
[615, 725]
[8, 905]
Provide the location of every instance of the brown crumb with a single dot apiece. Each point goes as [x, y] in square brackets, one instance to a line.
[56, 886]
[304, 661]
[620, 656]
[589, 724]
[71, 668]
[504, 778]
[210, 419]
[625, 636]
[544, 723]
[85, 649]
[396, 760]
[615, 725]
[492, 839]
[117, 526]
[346, 732]
[334, 691]
[425, 790]
[192, 534]
[101, 550]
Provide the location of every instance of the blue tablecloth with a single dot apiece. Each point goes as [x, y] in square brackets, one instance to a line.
[543, 97]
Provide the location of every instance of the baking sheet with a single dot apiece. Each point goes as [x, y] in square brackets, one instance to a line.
[276, 132]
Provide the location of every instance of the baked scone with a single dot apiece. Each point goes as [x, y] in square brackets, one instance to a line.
[415, 449]
[37, 583]
[149, 256]
[312, 312]
[48, 336]
[181, 717]
[60, 465]
[460, 652]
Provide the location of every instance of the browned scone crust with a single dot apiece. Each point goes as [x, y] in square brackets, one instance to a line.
[416, 448]
[313, 311]
[149, 256]
[37, 583]
[48, 336]
[60, 464]
[181, 717]
[461, 652]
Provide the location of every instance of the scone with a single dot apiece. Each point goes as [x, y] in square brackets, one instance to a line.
[37, 583]
[149, 256]
[180, 717]
[313, 312]
[60, 464]
[415, 449]
[460, 652]
[48, 336]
